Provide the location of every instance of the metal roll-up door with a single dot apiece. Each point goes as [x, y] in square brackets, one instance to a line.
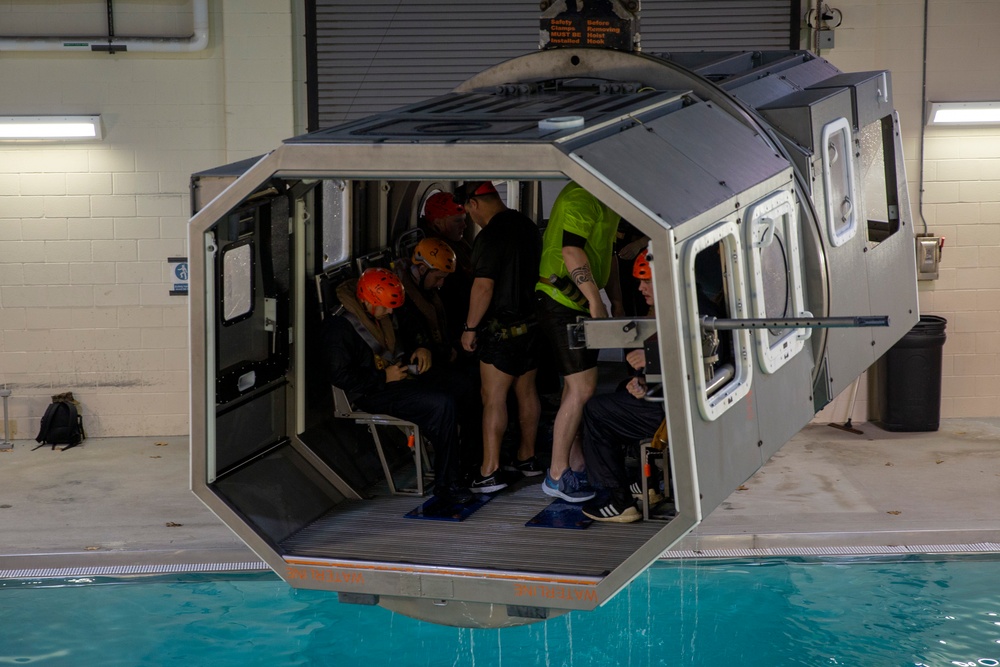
[718, 25]
[378, 55]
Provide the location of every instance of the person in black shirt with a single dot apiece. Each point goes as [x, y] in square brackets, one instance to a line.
[501, 327]
[444, 219]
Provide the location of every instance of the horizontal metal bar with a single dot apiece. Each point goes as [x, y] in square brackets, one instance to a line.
[725, 324]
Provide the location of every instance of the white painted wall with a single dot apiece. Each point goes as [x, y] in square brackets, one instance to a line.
[85, 229]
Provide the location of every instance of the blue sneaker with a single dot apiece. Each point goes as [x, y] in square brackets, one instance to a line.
[567, 488]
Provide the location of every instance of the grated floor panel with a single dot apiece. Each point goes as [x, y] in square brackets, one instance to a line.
[494, 538]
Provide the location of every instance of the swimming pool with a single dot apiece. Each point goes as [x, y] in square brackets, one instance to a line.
[880, 611]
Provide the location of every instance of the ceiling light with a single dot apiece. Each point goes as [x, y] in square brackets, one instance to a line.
[50, 128]
[964, 113]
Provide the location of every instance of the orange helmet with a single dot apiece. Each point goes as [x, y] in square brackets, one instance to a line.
[641, 268]
[380, 287]
[436, 254]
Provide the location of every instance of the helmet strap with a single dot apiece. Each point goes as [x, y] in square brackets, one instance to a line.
[422, 271]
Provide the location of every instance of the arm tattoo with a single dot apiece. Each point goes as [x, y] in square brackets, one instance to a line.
[582, 275]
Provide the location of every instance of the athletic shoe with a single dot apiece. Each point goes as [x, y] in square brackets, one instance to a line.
[619, 507]
[488, 484]
[653, 494]
[453, 493]
[529, 467]
[582, 482]
[567, 488]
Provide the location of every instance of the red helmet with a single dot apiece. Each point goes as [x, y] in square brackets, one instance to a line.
[641, 269]
[442, 205]
[380, 287]
[436, 254]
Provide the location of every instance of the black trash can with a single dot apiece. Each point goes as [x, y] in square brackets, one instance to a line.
[909, 378]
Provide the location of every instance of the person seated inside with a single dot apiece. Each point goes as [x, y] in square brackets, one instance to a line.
[365, 360]
[430, 267]
[611, 422]
[423, 275]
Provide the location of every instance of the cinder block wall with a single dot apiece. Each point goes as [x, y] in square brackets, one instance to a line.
[86, 229]
[961, 175]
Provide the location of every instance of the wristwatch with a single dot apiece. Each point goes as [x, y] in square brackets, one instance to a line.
[468, 328]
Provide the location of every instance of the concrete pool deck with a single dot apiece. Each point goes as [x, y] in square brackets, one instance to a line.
[125, 502]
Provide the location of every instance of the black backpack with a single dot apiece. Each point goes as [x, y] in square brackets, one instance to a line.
[61, 425]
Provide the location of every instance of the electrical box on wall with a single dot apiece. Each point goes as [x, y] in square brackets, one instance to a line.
[824, 39]
[929, 249]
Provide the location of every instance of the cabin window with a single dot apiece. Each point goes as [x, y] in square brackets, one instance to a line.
[878, 178]
[716, 288]
[336, 198]
[838, 175]
[237, 281]
[775, 276]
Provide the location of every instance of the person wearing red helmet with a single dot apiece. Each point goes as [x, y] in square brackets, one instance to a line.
[445, 219]
[613, 421]
[366, 359]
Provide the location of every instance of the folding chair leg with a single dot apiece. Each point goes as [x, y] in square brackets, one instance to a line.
[373, 429]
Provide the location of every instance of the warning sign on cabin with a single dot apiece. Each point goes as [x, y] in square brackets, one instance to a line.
[587, 24]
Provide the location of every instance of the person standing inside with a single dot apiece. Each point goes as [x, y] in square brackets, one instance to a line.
[445, 219]
[577, 263]
[501, 327]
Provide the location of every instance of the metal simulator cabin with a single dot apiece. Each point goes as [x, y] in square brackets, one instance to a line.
[785, 171]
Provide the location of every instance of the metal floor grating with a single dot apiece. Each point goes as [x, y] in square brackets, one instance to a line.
[494, 538]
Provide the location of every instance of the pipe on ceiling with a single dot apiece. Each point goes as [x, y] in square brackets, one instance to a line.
[197, 41]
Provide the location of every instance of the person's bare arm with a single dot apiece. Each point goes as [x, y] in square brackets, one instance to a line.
[479, 302]
[579, 272]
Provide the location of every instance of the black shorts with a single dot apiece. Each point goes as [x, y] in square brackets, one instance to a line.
[513, 356]
[552, 320]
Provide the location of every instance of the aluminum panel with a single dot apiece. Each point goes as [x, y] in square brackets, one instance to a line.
[871, 92]
[708, 157]
[641, 159]
[728, 150]
[802, 114]
[760, 92]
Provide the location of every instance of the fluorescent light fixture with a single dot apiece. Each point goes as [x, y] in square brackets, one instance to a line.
[964, 113]
[50, 128]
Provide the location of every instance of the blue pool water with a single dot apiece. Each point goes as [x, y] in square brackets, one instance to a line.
[705, 613]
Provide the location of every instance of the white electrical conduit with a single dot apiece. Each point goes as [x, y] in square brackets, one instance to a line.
[196, 42]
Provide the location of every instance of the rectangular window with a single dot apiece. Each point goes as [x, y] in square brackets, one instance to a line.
[838, 176]
[878, 177]
[716, 288]
[775, 276]
[237, 281]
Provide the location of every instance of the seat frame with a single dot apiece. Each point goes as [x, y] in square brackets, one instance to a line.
[343, 409]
